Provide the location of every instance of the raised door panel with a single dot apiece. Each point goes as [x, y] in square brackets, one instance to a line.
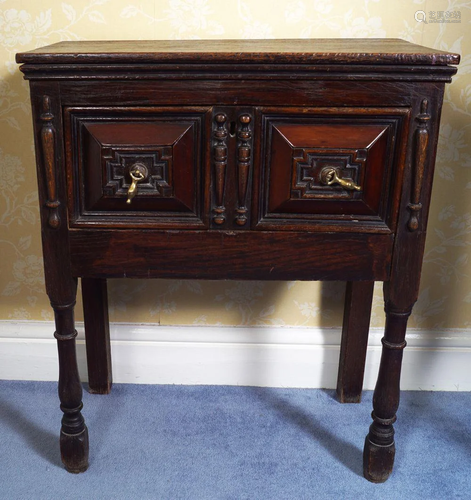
[331, 169]
[162, 149]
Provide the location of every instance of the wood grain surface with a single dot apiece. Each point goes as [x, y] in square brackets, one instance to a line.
[368, 51]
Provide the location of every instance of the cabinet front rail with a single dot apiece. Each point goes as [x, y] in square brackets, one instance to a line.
[230, 255]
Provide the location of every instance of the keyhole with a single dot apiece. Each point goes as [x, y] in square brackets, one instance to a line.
[232, 129]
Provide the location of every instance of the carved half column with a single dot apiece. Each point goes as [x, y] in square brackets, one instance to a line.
[244, 153]
[220, 163]
[48, 153]
[420, 155]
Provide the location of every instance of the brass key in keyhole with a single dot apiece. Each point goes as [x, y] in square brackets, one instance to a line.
[138, 173]
[330, 176]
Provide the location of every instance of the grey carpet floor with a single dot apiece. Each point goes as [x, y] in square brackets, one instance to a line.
[213, 442]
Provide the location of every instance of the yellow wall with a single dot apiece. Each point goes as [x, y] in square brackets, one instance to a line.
[25, 24]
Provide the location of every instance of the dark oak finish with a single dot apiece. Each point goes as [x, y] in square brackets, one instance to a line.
[97, 335]
[279, 159]
[356, 323]
[290, 51]
[364, 147]
[421, 142]
[271, 255]
[244, 153]
[48, 149]
[220, 134]
[61, 285]
[103, 145]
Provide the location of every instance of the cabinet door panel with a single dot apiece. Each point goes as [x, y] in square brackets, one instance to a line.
[331, 168]
[108, 144]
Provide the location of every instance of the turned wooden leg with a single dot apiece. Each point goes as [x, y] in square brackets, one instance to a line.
[74, 433]
[61, 286]
[379, 451]
[356, 324]
[97, 335]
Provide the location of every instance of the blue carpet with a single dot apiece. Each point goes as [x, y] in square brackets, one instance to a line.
[211, 442]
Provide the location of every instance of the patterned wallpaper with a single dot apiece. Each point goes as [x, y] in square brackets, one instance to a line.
[445, 296]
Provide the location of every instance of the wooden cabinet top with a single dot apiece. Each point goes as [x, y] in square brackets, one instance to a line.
[288, 51]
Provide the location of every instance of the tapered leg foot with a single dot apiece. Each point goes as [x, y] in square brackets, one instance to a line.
[74, 451]
[378, 461]
[74, 434]
[379, 451]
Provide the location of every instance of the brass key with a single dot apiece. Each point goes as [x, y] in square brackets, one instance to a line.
[138, 173]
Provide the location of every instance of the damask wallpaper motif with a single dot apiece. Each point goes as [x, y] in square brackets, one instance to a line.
[445, 296]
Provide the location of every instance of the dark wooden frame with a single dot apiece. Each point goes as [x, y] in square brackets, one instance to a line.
[234, 81]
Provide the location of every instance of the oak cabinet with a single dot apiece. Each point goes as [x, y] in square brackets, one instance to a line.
[277, 159]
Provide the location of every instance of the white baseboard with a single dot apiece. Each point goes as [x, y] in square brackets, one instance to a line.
[259, 356]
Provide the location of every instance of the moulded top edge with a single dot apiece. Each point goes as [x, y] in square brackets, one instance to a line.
[296, 51]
